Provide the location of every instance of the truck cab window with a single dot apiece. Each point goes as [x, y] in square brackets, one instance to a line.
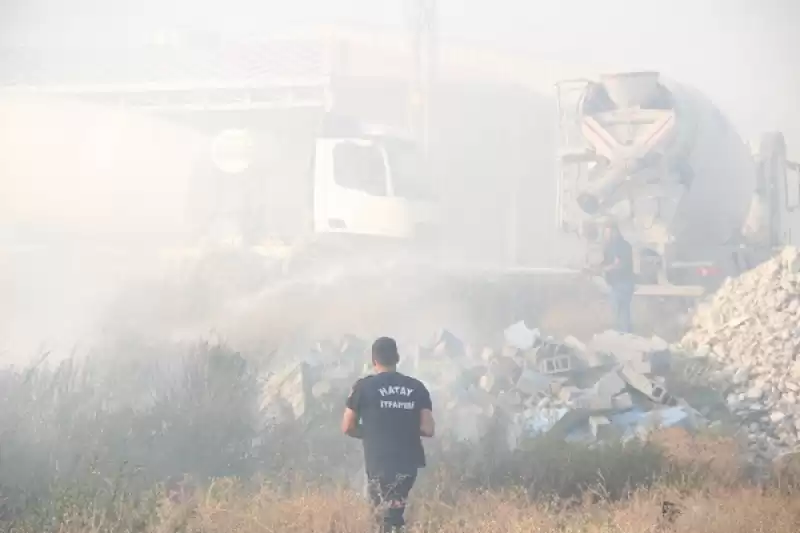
[360, 167]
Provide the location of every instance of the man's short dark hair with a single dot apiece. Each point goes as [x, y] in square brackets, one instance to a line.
[384, 352]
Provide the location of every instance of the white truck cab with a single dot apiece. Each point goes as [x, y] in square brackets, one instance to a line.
[370, 185]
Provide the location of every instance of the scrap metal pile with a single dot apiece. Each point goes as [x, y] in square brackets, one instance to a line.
[751, 328]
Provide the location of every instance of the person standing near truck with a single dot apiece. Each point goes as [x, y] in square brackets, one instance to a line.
[389, 412]
[617, 269]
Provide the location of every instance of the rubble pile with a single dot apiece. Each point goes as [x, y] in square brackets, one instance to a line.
[751, 327]
[610, 388]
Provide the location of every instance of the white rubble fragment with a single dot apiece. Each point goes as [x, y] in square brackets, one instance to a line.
[777, 416]
[487, 382]
[575, 344]
[520, 336]
[598, 426]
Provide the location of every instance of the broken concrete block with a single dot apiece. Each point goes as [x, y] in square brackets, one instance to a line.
[599, 426]
[555, 365]
[520, 336]
[569, 394]
[622, 402]
[592, 359]
[291, 386]
[549, 349]
[533, 384]
[573, 343]
[610, 384]
[592, 402]
[636, 352]
[639, 365]
[643, 384]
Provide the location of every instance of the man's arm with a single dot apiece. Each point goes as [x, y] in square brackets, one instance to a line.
[350, 426]
[614, 264]
[427, 426]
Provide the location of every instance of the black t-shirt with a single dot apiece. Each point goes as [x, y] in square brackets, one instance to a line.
[389, 406]
[619, 248]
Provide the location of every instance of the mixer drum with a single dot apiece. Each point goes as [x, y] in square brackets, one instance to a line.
[692, 175]
[715, 207]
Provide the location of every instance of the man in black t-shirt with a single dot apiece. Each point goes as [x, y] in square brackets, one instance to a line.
[389, 412]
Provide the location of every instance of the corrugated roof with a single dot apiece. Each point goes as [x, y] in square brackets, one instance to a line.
[295, 58]
[251, 64]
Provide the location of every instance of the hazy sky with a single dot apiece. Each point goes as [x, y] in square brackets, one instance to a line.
[745, 54]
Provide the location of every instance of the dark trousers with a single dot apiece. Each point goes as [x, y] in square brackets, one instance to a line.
[621, 298]
[388, 492]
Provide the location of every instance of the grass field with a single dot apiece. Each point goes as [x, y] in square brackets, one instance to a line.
[138, 446]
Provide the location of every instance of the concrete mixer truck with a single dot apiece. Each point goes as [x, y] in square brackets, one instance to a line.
[661, 161]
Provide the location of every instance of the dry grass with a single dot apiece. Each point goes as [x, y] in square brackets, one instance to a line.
[699, 481]
[226, 507]
[83, 452]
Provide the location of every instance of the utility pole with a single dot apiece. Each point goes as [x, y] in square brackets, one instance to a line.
[422, 16]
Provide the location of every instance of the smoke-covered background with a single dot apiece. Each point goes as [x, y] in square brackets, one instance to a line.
[742, 54]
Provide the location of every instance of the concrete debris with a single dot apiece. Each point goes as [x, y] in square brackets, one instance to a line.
[622, 402]
[646, 386]
[609, 386]
[556, 365]
[744, 339]
[520, 337]
[749, 331]
[600, 426]
[645, 356]
[291, 389]
[532, 386]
